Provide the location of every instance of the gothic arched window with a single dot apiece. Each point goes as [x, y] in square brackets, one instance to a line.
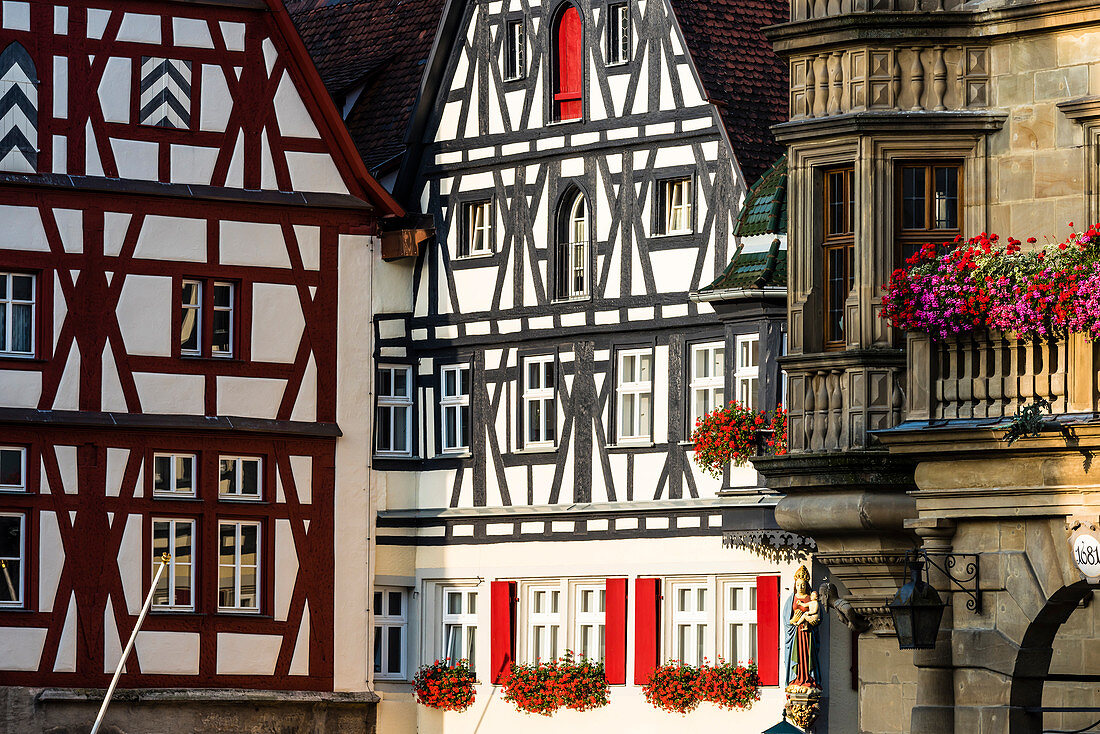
[568, 67]
[573, 258]
[18, 111]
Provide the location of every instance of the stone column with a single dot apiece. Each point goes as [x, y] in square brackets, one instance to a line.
[934, 711]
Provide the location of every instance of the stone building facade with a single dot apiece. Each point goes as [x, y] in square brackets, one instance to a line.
[915, 122]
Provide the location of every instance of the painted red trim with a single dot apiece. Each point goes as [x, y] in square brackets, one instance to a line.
[502, 628]
[569, 68]
[647, 628]
[615, 601]
[767, 629]
[374, 191]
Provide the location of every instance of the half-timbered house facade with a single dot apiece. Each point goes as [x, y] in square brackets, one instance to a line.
[186, 248]
[540, 364]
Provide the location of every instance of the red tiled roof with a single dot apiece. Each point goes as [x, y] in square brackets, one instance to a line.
[741, 74]
[379, 44]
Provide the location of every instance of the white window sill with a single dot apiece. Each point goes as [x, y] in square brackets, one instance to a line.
[172, 610]
[16, 355]
[677, 233]
[612, 64]
[454, 454]
[574, 299]
[230, 610]
[565, 122]
[234, 498]
[394, 456]
[547, 449]
[14, 490]
[480, 255]
[632, 443]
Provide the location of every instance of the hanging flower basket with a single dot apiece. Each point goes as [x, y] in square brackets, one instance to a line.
[728, 435]
[729, 686]
[671, 687]
[978, 284]
[545, 687]
[443, 686]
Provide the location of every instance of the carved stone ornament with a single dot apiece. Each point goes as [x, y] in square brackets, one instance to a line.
[803, 704]
[1084, 546]
[774, 545]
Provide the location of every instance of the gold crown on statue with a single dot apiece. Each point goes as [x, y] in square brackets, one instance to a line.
[802, 573]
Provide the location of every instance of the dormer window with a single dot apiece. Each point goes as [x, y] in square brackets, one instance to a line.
[568, 67]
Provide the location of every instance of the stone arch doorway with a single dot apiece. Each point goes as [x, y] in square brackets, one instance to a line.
[1033, 661]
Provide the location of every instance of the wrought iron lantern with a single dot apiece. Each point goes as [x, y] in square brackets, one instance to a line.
[917, 609]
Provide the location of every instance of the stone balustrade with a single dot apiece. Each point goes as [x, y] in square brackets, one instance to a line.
[815, 9]
[991, 375]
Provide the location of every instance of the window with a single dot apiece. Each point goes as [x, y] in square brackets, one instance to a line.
[175, 590]
[240, 478]
[740, 621]
[174, 475]
[544, 638]
[635, 394]
[747, 375]
[194, 340]
[572, 263]
[929, 205]
[238, 566]
[568, 66]
[477, 239]
[12, 550]
[460, 625]
[391, 619]
[394, 414]
[708, 379]
[674, 207]
[515, 50]
[590, 622]
[19, 111]
[13, 469]
[618, 33]
[17, 314]
[839, 252]
[539, 418]
[455, 404]
[689, 622]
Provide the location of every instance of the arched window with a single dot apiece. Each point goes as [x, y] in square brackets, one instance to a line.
[572, 262]
[568, 64]
[18, 111]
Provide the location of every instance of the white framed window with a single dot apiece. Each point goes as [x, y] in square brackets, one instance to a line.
[174, 475]
[545, 641]
[13, 549]
[17, 313]
[393, 424]
[478, 235]
[191, 317]
[590, 621]
[618, 33]
[515, 50]
[746, 377]
[221, 344]
[739, 621]
[454, 406]
[13, 469]
[634, 394]
[240, 477]
[708, 379]
[460, 625]
[391, 624]
[573, 265]
[691, 611]
[675, 202]
[238, 566]
[176, 588]
[539, 418]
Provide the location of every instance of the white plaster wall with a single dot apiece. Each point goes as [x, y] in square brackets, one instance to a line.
[172, 238]
[253, 243]
[167, 653]
[251, 397]
[145, 311]
[243, 654]
[277, 322]
[21, 647]
[167, 393]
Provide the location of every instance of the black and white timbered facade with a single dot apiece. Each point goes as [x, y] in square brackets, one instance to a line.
[541, 363]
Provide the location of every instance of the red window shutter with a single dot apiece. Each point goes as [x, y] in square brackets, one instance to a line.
[570, 67]
[647, 627]
[502, 627]
[615, 629]
[767, 629]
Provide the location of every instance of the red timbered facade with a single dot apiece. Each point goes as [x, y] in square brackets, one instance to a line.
[186, 241]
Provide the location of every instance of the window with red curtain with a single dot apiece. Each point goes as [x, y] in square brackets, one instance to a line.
[569, 64]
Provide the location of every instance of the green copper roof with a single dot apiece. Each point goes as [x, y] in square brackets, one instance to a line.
[765, 209]
[754, 270]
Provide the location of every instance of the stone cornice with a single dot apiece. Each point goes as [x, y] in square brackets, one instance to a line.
[1082, 109]
[892, 122]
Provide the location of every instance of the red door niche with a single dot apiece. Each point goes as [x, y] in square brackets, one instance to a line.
[570, 65]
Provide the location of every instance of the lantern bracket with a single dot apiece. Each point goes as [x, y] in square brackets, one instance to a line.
[961, 569]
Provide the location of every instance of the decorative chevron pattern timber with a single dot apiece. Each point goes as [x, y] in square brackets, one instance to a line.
[165, 93]
[18, 111]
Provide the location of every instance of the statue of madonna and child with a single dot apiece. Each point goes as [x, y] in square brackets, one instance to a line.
[802, 613]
